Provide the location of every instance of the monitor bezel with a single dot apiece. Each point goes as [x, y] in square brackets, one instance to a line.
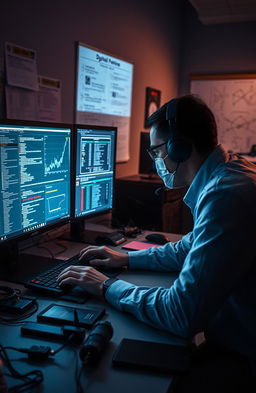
[34, 232]
[80, 219]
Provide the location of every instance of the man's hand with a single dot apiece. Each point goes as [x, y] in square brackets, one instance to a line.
[104, 256]
[84, 276]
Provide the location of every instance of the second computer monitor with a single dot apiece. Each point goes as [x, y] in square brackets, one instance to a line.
[95, 149]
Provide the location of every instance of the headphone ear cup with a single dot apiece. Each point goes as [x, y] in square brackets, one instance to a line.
[179, 150]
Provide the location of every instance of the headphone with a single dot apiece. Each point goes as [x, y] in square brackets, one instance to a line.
[178, 148]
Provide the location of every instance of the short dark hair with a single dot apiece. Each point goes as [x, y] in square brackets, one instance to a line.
[195, 122]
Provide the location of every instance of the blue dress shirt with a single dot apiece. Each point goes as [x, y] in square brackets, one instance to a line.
[215, 291]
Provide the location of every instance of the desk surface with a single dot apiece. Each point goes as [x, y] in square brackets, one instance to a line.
[59, 374]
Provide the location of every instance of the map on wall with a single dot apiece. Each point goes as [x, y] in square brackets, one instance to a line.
[232, 98]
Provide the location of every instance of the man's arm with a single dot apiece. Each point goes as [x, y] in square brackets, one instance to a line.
[169, 257]
[215, 264]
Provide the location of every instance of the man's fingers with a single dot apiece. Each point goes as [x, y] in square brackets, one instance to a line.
[93, 250]
[69, 273]
[70, 281]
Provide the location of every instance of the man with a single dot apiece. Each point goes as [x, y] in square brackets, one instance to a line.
[215, 291]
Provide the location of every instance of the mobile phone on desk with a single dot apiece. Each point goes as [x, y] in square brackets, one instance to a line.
[152, 356]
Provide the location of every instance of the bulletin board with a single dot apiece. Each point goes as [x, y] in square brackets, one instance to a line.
[232, 98]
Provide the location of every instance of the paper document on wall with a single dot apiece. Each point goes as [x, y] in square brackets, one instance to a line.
[1, 94]
[41, 105]
[21, 104]
[49, 99]
[21, 67]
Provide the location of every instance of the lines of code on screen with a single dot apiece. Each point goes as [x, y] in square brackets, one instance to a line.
[35, 178]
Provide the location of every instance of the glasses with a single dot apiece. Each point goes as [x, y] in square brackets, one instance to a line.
[152, 150]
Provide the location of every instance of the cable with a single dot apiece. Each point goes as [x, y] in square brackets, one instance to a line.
[8, 293]
[19, 320]
[31, 379]
[40, 352]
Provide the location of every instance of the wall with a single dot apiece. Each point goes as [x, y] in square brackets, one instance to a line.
[144, 35]
[223, 48]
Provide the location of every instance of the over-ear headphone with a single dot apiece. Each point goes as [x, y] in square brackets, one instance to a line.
[178, 148]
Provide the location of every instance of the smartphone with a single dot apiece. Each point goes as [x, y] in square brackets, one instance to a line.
[149, 355]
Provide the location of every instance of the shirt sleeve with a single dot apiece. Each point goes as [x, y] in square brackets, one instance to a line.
[169, 257]
[212, 268]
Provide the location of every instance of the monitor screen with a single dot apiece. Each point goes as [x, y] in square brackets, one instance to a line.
[35, 177]
[95, 169]
[104, 93]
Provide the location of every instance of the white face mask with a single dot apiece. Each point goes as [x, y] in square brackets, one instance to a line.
[162, 171]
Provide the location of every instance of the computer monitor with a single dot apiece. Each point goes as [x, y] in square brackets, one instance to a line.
[35, 177]
[147, 167]
[95, 153]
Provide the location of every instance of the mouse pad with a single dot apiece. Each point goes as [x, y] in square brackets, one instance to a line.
[136, 245]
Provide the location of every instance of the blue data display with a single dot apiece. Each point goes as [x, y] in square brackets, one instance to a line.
[35, 177]
[95, 161]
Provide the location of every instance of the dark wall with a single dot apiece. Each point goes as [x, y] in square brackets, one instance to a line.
[144, 34]
[207, 49]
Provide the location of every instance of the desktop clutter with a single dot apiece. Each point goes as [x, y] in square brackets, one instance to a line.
[83, 330]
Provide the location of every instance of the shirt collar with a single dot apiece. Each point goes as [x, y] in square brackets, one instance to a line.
[217, 157]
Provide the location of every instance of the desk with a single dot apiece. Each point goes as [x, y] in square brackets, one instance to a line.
[59, 373]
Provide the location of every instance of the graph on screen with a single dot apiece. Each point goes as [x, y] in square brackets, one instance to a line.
[56, 155]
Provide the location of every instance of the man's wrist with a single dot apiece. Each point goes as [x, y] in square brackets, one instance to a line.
[106, 284]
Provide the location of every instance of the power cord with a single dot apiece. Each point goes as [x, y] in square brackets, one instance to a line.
[30, 379]
[8, 293]
[20, 319]
[40, 352]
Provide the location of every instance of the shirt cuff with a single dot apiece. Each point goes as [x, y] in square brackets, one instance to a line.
[116, 291]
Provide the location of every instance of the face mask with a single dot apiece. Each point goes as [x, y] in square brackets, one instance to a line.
[162, 171]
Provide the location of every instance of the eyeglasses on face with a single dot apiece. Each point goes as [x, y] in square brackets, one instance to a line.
[152, 150]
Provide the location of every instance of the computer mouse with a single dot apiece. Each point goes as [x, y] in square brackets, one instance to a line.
[158, 238]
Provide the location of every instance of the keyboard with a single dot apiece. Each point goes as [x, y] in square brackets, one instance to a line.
[46, 280]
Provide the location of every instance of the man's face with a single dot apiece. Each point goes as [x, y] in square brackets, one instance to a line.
[158, 145]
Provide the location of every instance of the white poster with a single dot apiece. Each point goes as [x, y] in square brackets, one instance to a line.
[233, 102]
[21, 67]
[49, 99]
[104, 93]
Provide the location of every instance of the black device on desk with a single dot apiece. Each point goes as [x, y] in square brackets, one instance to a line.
[112, 239]
[152, 356]
[158, 238]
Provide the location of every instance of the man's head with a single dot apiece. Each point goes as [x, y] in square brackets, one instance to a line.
[186, 131]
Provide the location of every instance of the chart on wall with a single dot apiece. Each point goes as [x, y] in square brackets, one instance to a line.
[232, 99]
